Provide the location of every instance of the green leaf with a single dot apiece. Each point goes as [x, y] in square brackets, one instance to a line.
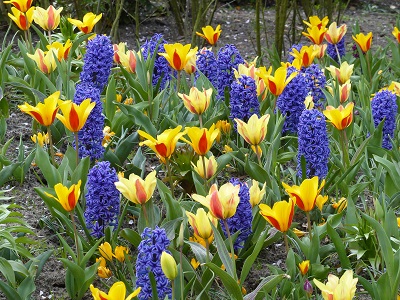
[140, 118]
[230, 284]
[50, 173]
[339, 246]
[131, 236]
[26, 288]
[9, 292]
[111, 96]
[174, 210]
[223, 252]
[266, 285]
[7, 270]
[6, 173]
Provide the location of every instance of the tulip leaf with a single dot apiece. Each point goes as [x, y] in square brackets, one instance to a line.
[230, 284]
[223, 252]
[7, 270]
[139, 117]
[131, 236]
[6, 172]
[339, 246]
[266, 285]
[26, 288]
[174, 210]
[111, 96]
[9, 292]
[199, 251]
[49, 172]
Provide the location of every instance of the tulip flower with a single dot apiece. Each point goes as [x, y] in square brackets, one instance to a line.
[106, 251]
[304, 266]
[21, 5]
[253, 72]
[222, 203]
[62, 50]
[45, 62]
[315, 34]
[21, 19]
[164, 144]
[120, 252]
[306, 55]
[210, 166]
[306, 194]
[178, 55]
[256, 194]
[398, 222]
[136, 189]
[316, 21]
[201, 139]
[320, 50]
[74, 116]
[191, 65]
[48, 19]
[88, 22]
[340, 117]
[338, 289]
[197, 102]
[45, 112]
[321, 200]
[128, 60]
[280, 215]
[68, 197]
[335, 34]
[278, 82]
[299, 233]
[396, 34]
[116, 292]
[394, 87]
[200, 223]
[210, 35]
[363, 41]
[168, 266]
[40, 138]
[343, 73]
[344, 91]
[102, 270]
[118, 48]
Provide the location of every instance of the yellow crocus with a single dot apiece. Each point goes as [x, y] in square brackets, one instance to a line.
[48, 19]
[120, 252]
[21, 5]
[22, 19]
[197, 101]
[45, 112]
[340, 205]
[178, 55]
[343, 73]
[306, 194]
[201, 225]
[116, 292]
[335, 34]
[102, 270]
[340, 117]
[40, 138]
[74, 116]
[315, 34]
[280, 215]
[168, 265]
[338, 289]
[321, 200]
[88, 22]
[68, 197]
[363, 41]
[210, 167]
[254, 130]
[256, 194]
[46, 62]
[316, 21]
[107, 136]
[304, 266]
[106, 251]
[277, 83]
[201, 139]
[396, 34]
[136, 189]
[62, 49]
[209, 34]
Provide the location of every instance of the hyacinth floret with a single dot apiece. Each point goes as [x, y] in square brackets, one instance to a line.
[153, 243]
[98, 61]
[228, 59]
[242, 219]
[91, 134]
[243, 99]
[290, 57]
[102, 199]
[161, 68]
[207, 64]
[384, 106]
[315, 81]
[291, 101]
[313, 144]
[331, 50]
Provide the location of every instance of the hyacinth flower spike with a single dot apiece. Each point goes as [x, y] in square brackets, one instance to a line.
[334, 35]
[88, 22]
[116, 292]
[210, 34]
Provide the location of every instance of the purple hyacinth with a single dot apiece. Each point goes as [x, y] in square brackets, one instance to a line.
[98, 61]
[153, 243]
[290, 57]
[331, 50]
[207, 64]
[291, 101]
[228, 59]
[384, 106]
[91, 135]
[316, 81]
[102, 199]
[313, 144]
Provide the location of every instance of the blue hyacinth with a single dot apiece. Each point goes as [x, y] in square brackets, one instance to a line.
[228, 59]
[331, 50]
[91, 135]
[98, 61]
[242, 219]
[384, 106]
[207, 64]
[243, 99]
[102, 199]
[290, 57]
[315, 81]
[313, 144]
[153, 243]
[291, 101]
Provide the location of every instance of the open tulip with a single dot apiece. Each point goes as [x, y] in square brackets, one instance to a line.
[320, 50]
[197, 102]
[74, 116]
[136, 189]
[315, 34]
[168, 265]
[280, 215]
[21, 5]
[335, 34]
[200, 223]
[254, 130]
[201, 139]
[46, 62]
[343, 73]
[222, 203]
[210, 35]
[128, 60]
[210, 166]
[363, 41]
[88, 22]
[338, 289]
[306, 55]
[340, 117]
[49, 18]
[116, 292]
[22, 19]
[45, 112]
[256, 194]
[277, 83]
[396, 34]
[62, 49]
[68, 197]
[316, 21]
[178, 55]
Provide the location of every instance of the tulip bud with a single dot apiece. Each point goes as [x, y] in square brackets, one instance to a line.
[303, 266]
[308, 287]
[181, 233]
[210, 167]
[256, 194]
[168, 265]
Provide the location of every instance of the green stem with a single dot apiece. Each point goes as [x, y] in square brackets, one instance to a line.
[51, 146]
[145, 214]
[201, 121]
[207, 250]
[78, 253]
[77, 147]
[286, 242]
[369, 67]
[173, 289]
[258, 155]
[49, 34]
[204, 172]
[345, 150]
[178, 81]
[338, 55]
[309, 224]
[181, 270]
[169, 174]
[232, 249]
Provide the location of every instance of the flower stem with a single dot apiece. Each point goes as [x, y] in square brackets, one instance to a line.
[173, 289]
[76, 237]
[178, 81]
[145, 214]
[51, 146]
[201, 121]
[205, 172]
[258, 155]
[286, 242]
[181, 270]
[345, 150]
[169, 174]
[309, 224]
[368, 66]
[207, 250]
[77, 147]
[338, 55]
[232, 249]
[49, 33]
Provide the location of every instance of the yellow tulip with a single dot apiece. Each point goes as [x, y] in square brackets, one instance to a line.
[320, 50]
[315, 34]
[210, 35]
[165, 143]
[45, 112]
[335, 34]
[168, 266]
[40, 138]
[128, 60]
[21, 5]
[49, 18]
[178, 55]
[136, 189]
[343, 73]
[197, 102]
[106, 251]
[22, 19]
[210, 167]
[200, 223]
[45, 62]
[396, 34]
[306, 55]
[304, 266]
[120, 252]
[62, 50]
[116, 292]
[316, 21]
[340, 117]
[256, 194]
[280, 215]
[74, 116]
[68, 197]
[277, 83]
[88, 22]
[190, 66]
[254, 130]
[363, 41]
[338, 289]
[306, 194]
[222, 203]
[201, 139]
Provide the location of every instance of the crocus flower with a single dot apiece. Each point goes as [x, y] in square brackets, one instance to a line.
[75, 116]
[396, 34]
[338, 289]
[46, 62]
[222, 203]
[102, 270]
[334, 34]
[363, 41]
[119, 253]
[68, 197]
[200, 223]
[49, 18]
[136, 189]
[278, 82]
[128, 60]
[210, 35]
[210, 167]
[106, 251]
[254, 130]
[316, 21]
[40, 138]
[201, 139]
[280, 215]
[45, 112]
[343, 73]
[306, 194]
[197, 101]
[256, 194]
[88, 22]
[116, 292]
[164, 144]
[340, 205]
[315, 34]
[168, 266]
[303, 266]
[21, 19]
[340, 117]
[21, 5]
[178, 55]
[62, 50]
[224, 128]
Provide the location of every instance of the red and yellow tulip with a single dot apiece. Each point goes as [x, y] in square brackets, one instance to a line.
[256, 194]
[304, 266]
[62, 50]
[118, 48]
[340, 117]
[343, 73]
[320, 50]
[74, 116]
[178, 55]
[201, 225]
[315, 34]
[201, 139]
[210, 167]
[21, 5]
[210, 35]
[45, 112]
[22, 19]
[343, 288]
[280, 215]
[116, 292]
[128, 60]
[68, 197]
[277, 83]
[197, 102]
[344, 91]
[306, 55]
[48, 19]
[316, 21]
[88, 22]
[363, 41]
[254, 130]
[335, 34]
[46, 62]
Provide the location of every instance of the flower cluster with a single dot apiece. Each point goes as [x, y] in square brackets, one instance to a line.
[102, 198]
[331, 50]
[313, 144]
[153, 243]
[316, 81]
[207, 64]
